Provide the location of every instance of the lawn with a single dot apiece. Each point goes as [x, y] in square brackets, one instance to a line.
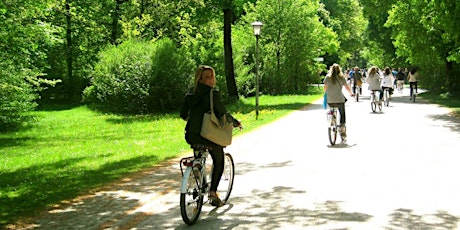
[68, 152]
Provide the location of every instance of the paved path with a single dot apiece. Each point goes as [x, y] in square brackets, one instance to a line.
[399, 170]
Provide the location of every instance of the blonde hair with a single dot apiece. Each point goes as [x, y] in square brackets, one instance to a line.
[373, 70]
[335, 71]
[199, 73]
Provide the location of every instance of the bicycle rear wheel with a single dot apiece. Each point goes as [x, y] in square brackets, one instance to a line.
[226, 181]
[332, 131]
[387, 98]
[191, 200]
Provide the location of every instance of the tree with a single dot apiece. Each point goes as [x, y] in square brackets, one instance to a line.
[346, 18]
[426, 34]
[292, 37]
[25, 39]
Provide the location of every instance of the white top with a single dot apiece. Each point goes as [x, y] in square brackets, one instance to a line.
[388, 80]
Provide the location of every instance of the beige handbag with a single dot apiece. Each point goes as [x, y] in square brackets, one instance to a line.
[216, 130]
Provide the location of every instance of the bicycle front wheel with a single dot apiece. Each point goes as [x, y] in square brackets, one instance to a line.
[332, 131]
[387, 98]
[226, 181]
[191, 199]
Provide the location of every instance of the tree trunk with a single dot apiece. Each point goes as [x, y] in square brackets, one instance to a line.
[71, 85]
[228, 54]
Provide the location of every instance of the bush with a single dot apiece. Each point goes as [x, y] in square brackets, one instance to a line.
[17, 96]
[171, 75]
[139, 77]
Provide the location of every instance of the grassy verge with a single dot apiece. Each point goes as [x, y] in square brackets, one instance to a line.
[444, 100]
[69, 152]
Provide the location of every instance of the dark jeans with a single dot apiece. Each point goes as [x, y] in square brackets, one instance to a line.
[412, 86]
[217, 154]
[341, 107]
[390, 91]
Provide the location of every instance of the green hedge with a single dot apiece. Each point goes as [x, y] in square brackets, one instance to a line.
[139, 77]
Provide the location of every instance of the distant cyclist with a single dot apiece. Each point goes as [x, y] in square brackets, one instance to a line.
[374, 80]
[400, 79]
[357, 80]
[387, 81]
[412, 78]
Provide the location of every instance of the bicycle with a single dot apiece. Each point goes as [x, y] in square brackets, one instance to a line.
[400, 86]
[333, 127]
[357, 92]
[196, 182]
[375, 101]
[413, 93]
[386, 97]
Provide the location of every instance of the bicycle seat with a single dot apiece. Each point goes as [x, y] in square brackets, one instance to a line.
[201, 147]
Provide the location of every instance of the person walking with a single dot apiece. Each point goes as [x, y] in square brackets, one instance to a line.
[197, 103]
[333, 85]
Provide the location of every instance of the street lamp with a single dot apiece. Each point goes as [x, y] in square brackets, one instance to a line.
[257, 26]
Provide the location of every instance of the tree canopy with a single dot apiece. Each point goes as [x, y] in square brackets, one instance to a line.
[46, 42]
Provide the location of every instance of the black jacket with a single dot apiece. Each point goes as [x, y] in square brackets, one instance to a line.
[197, 104]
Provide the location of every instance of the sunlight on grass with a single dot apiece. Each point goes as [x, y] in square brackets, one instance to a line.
[71, 151]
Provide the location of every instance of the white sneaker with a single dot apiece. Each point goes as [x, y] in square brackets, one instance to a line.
[343, 142]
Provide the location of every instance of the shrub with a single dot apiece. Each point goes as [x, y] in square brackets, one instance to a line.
[171, 75]
[139, 77]
[16, 96]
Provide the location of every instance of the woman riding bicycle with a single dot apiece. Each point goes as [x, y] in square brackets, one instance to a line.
[333, 84]
[387, 81]
[197, 103]
[412, 78]
[374, 81]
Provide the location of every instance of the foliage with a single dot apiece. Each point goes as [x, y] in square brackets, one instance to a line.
[17, 96]
[25, 38]
[346, 18]
[170, 76]
[139, 77]
[434, 52]
[290, 39]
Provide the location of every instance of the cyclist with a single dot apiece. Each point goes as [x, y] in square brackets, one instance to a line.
[357, 79]
[412, 78]
[400, 78]
[197, 103]
[374, 80]
[333, 85]
[387, 81]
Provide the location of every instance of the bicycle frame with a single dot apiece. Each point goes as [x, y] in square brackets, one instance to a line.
[196, 185]
[202, 155]
[333, 127]
[386, 96]
[375, 101]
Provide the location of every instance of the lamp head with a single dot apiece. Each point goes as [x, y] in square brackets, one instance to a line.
[257, 26]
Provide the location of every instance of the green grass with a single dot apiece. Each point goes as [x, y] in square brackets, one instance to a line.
[68, 152]
[446, 100]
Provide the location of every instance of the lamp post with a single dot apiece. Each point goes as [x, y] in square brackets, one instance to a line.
[257, 26]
